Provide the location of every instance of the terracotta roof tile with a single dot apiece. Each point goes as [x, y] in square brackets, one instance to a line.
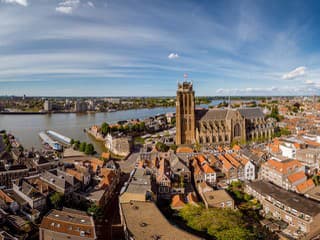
[296, 176]
[305, 186]
[177, 202]
[283, 167]
[184, 150]
[207, 169]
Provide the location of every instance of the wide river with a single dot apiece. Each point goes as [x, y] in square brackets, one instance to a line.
[26, 127]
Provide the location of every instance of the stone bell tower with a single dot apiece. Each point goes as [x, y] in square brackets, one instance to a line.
[185, 114]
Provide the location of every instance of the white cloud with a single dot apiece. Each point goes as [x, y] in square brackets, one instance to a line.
[67, 6]
[268, 91]
[66, 10]
[20, 2]
[173, 56]
[299, 71]
[309, 82]
[90, 4]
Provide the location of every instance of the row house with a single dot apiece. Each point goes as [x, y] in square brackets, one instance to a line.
[7, 174]
[180, 174]
[163, 179]
[237, 167]
[288, 174]
[34, 198]
[98, 180]
[7, 203]
[67, 224]
[300, 213]
[229, 170]
[202, 171]
[172, 175]
[309, 157]
[61, 181]
[25, 198]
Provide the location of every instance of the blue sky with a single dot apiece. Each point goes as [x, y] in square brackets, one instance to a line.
[142, 48]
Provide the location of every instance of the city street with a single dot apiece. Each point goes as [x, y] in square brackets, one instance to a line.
[128, 165]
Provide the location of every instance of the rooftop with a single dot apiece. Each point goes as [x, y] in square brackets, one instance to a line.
[290, 199]
[145, 221]
[69, 222]
[216, 196]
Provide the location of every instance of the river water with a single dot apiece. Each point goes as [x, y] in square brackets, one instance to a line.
[26, 127]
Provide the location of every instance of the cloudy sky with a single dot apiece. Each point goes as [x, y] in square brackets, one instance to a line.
[142, 48]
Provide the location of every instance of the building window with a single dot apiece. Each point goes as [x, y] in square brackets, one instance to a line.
[237, 130]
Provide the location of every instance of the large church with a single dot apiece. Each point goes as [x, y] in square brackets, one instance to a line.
[216, 126]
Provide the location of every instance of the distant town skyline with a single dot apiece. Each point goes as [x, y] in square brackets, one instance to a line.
[142, 48]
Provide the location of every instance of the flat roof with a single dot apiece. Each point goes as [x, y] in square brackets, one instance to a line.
[145, 221]
[216, 196]
[290, 199]
[314, 193]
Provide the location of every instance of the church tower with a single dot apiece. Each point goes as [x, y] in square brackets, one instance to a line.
[185, 114]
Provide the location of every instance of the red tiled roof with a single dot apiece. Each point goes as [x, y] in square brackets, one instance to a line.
[177, 202]
[207, 169]
[305, 186]
[296, 176]
[184, 150]
[283, 167]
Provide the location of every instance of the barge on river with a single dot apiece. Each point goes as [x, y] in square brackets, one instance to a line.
[51, 143]
[59, 137]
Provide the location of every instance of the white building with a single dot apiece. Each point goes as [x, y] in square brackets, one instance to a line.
[47, 105]
[288, 150]
[249, 171]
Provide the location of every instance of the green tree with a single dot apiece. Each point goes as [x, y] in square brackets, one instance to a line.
[72, 141]
[142, 126]
[285, 131]
[236, 233]
[8, 148]
[82, 146]
[95, 211]
[76, 145]
[275, 113]
[105, 128]
[315, 179]
[173, 121]
[219, 223]
[6, 141]
[161, 147]
[89, 149]
[56, 200]
[173, 147]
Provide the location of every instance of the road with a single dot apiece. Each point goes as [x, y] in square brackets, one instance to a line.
[128, 165]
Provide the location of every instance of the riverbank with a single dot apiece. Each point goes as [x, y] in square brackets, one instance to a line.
[26, 127]
[96, 136]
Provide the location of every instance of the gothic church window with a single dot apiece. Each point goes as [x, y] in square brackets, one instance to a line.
[237, 130]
